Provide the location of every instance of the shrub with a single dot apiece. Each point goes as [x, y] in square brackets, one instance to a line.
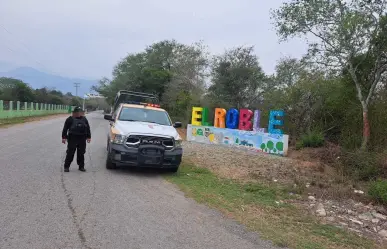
[362, 165]
[312, 139]
[378, 191]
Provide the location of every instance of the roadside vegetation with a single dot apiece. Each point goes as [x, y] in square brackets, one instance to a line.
[17, 90]
[334, 98]
[263, 208]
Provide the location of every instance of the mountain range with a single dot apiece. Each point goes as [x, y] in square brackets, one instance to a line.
[38, 79]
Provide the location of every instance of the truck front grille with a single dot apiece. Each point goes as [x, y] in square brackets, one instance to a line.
[136, 140]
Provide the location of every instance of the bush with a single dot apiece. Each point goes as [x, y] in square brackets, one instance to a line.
[362, 165]
[378, 191]
[312, 139]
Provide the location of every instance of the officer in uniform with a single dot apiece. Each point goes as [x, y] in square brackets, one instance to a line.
[76, 131]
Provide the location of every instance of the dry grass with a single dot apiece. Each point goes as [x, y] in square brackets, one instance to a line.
[264, 208]
[301, 172]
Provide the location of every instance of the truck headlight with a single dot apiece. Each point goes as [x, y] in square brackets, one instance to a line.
[178, 143]
[118, 139]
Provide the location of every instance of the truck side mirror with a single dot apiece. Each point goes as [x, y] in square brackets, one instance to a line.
[108, 117]
[177, 125]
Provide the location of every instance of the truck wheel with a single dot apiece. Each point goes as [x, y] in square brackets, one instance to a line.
[110, 164]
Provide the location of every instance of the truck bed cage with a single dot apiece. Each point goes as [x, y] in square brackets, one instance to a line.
[124, 96]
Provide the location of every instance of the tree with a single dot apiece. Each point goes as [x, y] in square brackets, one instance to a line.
[15, 90]
[238, 78]
[105, 88]
[173, 71]
[187, 83]
[143, 72]
[346, 31]
[287, 72]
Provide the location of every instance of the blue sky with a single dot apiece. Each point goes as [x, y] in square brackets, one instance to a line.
[87, 38]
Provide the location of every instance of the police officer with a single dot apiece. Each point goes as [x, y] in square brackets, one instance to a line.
[76, 131]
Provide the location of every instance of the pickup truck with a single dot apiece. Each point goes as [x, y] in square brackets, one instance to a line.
[142, 134]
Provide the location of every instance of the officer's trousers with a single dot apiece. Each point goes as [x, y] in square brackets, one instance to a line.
[75, 143]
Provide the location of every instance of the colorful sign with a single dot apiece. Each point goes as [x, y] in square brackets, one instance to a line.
[244, 119]
[239, 128]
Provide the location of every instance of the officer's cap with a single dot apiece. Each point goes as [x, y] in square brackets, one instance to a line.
[77, 109]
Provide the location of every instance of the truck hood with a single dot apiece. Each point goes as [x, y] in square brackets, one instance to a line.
[144, 128]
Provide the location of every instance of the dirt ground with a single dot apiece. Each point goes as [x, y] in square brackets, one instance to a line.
[315, 184]
[299, 170]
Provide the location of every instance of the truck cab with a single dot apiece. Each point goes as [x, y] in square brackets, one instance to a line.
[142, 134]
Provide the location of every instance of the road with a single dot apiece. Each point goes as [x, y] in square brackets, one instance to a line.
[42, 207]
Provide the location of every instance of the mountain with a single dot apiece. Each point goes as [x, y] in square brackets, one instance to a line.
[38, 79]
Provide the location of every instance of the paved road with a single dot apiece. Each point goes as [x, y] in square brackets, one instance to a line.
[43, 208]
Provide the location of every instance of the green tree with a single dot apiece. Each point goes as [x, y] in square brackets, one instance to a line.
[287, 72]
[15, 90]
[173, 71]
[345, 30]
[187, 83]
[238, 78]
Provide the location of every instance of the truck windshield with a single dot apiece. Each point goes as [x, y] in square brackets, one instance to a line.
[144, 115]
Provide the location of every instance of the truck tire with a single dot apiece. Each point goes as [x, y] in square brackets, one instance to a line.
[110, 164]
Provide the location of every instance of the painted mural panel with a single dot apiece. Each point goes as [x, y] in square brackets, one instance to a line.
[258, 141]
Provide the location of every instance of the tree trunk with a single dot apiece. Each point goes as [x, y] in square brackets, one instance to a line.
[366, 129]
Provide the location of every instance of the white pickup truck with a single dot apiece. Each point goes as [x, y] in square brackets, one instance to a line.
[142, 134]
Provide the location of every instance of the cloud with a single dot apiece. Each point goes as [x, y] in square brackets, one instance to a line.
[87, 38]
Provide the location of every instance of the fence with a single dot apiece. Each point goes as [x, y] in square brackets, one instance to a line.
[11, 109]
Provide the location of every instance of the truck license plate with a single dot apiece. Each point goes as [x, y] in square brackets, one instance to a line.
[151, 161]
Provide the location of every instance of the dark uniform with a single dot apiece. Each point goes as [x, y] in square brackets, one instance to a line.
[76, 131]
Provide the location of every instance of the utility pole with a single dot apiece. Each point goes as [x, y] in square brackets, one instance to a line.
[84, 100]
[76, 88]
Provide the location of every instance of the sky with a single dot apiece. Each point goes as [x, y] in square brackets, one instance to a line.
[86, 38]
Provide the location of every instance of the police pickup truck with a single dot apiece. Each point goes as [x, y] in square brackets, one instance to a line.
[142, 134]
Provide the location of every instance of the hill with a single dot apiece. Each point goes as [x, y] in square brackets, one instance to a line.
[38, 79]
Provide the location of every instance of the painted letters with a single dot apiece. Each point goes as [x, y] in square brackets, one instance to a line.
[275, 122]
[205, 117]
[196, 116]
[232, 118]
[243, 130]
[219, 120]
[245, 120]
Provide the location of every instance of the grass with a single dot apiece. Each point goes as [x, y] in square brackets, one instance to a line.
[20, 120]
[263, 208]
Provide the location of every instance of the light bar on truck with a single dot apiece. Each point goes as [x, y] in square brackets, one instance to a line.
[142, 103]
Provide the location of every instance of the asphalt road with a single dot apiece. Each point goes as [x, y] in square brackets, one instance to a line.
[42, 207]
